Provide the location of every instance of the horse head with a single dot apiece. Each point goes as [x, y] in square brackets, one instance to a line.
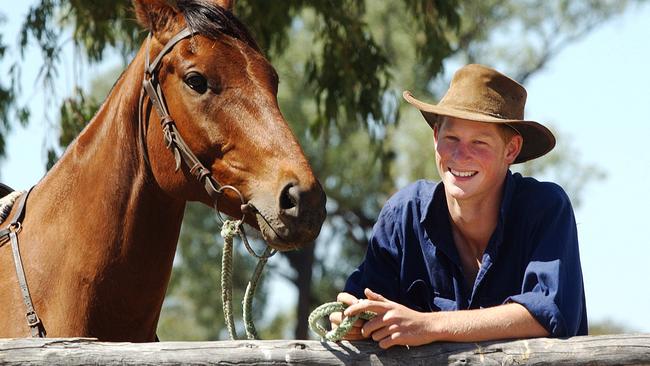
[221, 93]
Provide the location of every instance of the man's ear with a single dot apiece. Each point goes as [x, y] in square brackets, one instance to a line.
[436, 129]
[155, 15]
[513, 148]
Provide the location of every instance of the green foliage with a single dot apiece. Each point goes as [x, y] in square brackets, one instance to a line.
[520, 37]
[75, 113]
[347, 69]
[96, 26]
[8, 94]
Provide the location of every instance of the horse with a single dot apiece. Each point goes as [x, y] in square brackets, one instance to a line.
[100, 229]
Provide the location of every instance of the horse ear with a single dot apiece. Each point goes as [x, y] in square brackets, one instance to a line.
[154, 15]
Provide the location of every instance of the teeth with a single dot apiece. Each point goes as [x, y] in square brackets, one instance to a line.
[462, 174]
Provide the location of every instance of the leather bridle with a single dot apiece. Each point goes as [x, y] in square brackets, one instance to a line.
[174, 142]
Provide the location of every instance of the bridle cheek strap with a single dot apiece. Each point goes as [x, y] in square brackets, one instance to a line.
[173, 139]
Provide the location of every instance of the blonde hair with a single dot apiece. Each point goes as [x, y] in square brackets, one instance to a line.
[506, 130]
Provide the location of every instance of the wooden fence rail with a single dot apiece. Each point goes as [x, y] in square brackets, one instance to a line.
[629, 349]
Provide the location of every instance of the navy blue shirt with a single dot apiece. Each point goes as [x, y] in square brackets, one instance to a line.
[532, 257]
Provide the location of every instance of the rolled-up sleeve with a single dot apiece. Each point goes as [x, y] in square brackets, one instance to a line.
[379, 270]
[552, 287]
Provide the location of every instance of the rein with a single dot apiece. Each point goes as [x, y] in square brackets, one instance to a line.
[182, 153]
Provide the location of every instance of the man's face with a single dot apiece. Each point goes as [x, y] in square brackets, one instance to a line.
[472, 157]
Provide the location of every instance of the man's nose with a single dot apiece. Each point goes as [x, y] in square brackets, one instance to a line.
[461, 152]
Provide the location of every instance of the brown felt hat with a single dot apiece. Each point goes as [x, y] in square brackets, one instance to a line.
[479, 93]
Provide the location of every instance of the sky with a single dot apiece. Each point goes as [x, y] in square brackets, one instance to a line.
[596, 93]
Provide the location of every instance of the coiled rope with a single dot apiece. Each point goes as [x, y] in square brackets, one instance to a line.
[337, 334]
[229, 229]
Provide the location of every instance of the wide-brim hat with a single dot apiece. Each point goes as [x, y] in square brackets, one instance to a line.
[479, 93]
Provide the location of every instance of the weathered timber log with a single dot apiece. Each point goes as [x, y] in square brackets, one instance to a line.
[630, 349]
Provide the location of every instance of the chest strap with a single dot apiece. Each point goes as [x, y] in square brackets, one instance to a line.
[33, 321]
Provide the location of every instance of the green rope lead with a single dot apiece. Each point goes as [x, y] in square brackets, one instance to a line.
[337, 334]
[229, 229]
[251, 333]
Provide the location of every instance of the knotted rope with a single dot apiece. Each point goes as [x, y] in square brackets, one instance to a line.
[229, 229]
[337, 334]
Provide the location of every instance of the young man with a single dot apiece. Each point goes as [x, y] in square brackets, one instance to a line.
[485, 254]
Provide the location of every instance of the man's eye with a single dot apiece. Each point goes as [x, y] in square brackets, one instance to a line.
[197, 82]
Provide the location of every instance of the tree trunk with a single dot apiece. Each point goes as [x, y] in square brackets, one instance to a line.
[302, 262]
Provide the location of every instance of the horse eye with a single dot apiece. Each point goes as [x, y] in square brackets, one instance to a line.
[197, 82]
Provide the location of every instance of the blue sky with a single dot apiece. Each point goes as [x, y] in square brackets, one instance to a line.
[596, 92]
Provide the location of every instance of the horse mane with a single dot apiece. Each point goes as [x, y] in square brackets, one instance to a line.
[211, 20]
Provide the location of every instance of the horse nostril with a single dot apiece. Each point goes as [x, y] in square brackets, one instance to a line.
[290, 197]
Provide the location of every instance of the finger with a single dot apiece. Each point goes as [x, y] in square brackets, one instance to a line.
[346, 298]
[359, 323]
[354, 334]
[336, 318]
[371, 295]
[384, 332]
[373, 325]
[379, 307]
[392, 340]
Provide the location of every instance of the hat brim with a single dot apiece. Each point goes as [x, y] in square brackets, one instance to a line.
[538, 140]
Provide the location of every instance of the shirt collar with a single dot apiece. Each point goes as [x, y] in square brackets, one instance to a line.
[435, 218]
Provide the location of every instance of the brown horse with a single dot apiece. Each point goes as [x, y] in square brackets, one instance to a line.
[100, 229]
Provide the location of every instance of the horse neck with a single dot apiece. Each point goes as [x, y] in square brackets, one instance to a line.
[102, 188]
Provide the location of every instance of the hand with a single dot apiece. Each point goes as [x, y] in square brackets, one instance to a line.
[395, 324]
[336, 318]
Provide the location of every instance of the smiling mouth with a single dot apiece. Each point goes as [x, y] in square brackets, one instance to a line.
[462, 174]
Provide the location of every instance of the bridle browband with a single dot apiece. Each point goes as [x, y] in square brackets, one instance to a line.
[174, 142]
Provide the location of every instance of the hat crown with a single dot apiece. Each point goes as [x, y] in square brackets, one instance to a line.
[480, 89]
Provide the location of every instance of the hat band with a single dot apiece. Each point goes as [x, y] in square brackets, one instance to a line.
[486, 112]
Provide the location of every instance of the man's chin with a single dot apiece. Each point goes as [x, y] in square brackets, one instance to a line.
[456, 191]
